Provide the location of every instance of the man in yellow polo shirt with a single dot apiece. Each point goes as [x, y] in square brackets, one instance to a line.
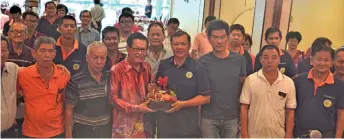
[43, 87]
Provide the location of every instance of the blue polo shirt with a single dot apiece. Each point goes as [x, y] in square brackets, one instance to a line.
[75, 61]
[317, 104]
[286, 64]
[187, 81]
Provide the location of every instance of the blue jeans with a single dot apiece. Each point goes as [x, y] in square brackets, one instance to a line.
[219, 128]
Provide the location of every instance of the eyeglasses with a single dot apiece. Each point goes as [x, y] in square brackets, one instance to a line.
[31, 21]
[137, 50]
[16, 32]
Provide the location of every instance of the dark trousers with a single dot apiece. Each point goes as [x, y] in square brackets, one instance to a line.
[99, 24]
[86, 131]
[62, 135]
[10, 133]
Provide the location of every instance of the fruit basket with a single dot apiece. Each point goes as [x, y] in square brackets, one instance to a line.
[160, 97]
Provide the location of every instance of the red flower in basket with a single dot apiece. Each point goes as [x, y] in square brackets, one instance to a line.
[162, 81]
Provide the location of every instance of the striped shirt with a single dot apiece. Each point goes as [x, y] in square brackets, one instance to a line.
[25, 59]
[91, 105]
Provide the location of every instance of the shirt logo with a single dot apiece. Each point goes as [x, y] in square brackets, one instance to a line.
[189, 74]
[282, 70]
[76, 66]
[327, 103]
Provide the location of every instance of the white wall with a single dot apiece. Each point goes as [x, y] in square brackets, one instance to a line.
[189, 14]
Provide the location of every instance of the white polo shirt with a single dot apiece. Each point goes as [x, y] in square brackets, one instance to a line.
[266, 114]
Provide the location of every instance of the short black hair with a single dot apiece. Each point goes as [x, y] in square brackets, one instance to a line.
[49, 2]
[15, 9]
[96, 1]
[270, 47]
[109, 29]
[173, 21]
[85, 11]
[248, 38]
[25, 14]
[4, 38]
[209, 19]
[180, 33]
[237, 27]
[320, 48]
[322, 40]
[272, 30]
[217, 25]
[62, 6]
[155, 24]
[293, 35]
[341, 49]
[127, 10]
[125, 15]
[67, 17]
[134, 36]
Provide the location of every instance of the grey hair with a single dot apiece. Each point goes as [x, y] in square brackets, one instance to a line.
[43, 40]
[26, 30]
[95, 44]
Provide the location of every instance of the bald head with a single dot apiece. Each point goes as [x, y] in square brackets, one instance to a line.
[96, 57]
[96, 46]
[17, 32]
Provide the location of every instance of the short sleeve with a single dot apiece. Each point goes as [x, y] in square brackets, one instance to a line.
[196, 44]
[203, 86]
[243, 72]
[291, 99]
[71, 96]
[245, 97]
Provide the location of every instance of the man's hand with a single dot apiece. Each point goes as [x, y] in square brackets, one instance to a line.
[64, 69]
[143, 107]
[176, 106]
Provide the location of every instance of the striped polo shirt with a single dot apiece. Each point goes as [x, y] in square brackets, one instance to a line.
[89, 97]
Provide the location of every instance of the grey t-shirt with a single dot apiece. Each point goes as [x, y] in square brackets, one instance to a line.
[224, 75]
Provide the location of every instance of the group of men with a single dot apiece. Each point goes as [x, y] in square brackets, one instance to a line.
[75, 86]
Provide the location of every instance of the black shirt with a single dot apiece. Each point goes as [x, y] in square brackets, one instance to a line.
[150, 8]
[286, 64]
[75, 61]
[25, 59]
[187, 81]
[6, 28]
[108, 63]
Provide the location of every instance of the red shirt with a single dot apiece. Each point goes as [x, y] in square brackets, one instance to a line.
[128, 89]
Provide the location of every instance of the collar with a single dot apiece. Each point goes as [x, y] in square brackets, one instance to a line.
[186, 64]
[11, 50]
[162, 54]
[36, 74]
[105, 73]
[261, 75]
[4, 69]
[128, 67]
[75, 45]
[83, 29]
[329, 79]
